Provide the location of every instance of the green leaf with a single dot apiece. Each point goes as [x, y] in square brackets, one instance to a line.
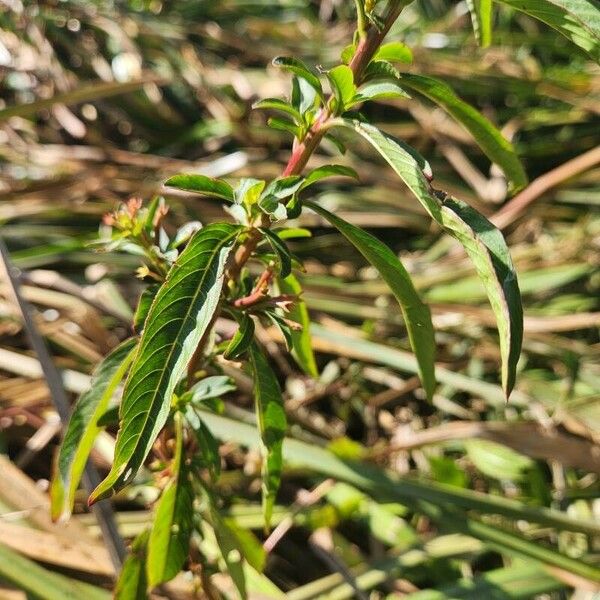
[280, 105]
[301, 342]
[497, 148]
[341, 80]
[228, 546]
[328, 171]
[133, 583]
[394, 52]
[179, 317]
[482, 241]
[283, 125]
[381, 69]
[298, 68]
[214, 386]
[242, 339]
[169, 541]
[416, 314]
[283, 187]
[208, 186]
[498, 461]
[83, 428]
[272, 423]
[577, 20]
[481, 17]
[304, 97]
[208, 445]
[374, 90]
[281, 250]
[143, 307]
[487, 249]
[26, 575]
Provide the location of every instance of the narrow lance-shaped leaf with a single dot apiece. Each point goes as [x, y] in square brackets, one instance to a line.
[133, 583]
[482, 241]
[83, 428]
[280, 105]
[242, 338]
[487, 249]
[209, 186]
[497, 148]
[281, 250]
[179, 317]
[272, 423]
[416, 314]
[301, 343]
[169, 541]
[328, 171]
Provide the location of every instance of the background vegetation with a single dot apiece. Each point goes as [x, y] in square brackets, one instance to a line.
[104, 101]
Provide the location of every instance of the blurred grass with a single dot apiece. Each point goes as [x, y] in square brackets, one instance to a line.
[102, 101]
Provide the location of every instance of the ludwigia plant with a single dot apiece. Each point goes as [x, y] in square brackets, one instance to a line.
[242, 269]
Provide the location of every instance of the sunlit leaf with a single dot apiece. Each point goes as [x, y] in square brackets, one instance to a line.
[328, 171]
[481, 17]
[416, 314]
[497, 148]
[298, 68]
[341, 80]
[394, 52]
[83, 427]
[280, 105]
[482, 241]
[179, 317]
[208, 186]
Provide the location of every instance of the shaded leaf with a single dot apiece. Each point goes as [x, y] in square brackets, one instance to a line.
[133, 583]
[143, 306]
[208, 445]
[83, 427]
[497, 148]
[169, 541]
[38, 582]
[214, 386]
[301, 343]
[208, 186]
[416, 314]
[179, 317]
[242, 338]
[281, 250]
[272, 423]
